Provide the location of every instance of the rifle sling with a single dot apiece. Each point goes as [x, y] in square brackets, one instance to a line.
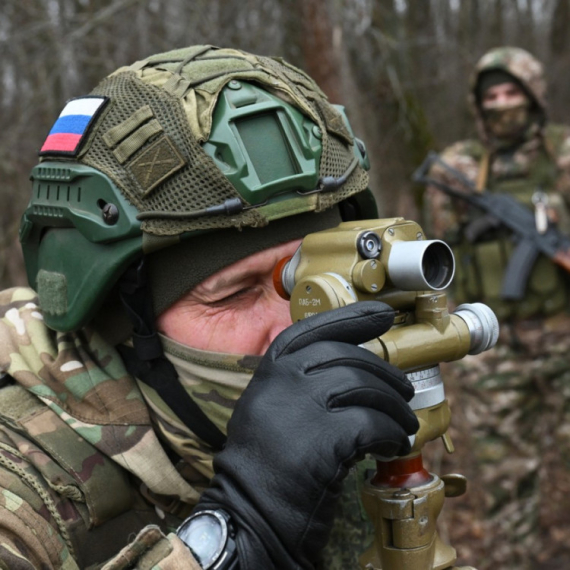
[483, 173]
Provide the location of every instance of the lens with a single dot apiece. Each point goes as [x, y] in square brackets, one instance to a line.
[421, 265]
[437, 265]
[482, 324]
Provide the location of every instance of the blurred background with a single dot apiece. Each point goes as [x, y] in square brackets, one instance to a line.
[401, 68]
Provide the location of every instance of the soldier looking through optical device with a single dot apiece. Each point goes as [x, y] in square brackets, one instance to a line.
[173, 189]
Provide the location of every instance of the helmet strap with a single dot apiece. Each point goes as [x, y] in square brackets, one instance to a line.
[146, 360]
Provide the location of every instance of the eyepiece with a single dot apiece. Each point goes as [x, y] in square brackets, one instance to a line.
[284, 274]
[482, 324]
[421, 265]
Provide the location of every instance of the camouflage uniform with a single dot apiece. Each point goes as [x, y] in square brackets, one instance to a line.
[514, 398]
[83, 465]
[540, 159]
[76, 439]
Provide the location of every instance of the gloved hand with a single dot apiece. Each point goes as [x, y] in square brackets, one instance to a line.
[316, 404]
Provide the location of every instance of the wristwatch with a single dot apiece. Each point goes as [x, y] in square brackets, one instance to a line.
[210, 536]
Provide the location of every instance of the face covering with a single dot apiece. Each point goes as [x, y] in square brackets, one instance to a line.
[214, 381]
[508, 123]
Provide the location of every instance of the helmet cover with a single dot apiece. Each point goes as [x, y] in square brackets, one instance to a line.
[172, 148]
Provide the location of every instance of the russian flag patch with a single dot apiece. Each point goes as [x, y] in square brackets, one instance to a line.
[72, 125]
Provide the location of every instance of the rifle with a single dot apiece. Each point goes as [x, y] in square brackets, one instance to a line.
[509, 212]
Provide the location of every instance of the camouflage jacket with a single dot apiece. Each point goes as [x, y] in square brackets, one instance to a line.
[81, 469]
[481, 262]
[444, 215]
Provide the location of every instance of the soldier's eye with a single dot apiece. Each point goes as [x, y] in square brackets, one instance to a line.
[242, 296]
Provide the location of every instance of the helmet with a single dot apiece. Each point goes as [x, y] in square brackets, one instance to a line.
[522, 68]
[519, 64]
[172, 155]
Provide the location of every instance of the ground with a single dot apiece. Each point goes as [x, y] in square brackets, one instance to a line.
[463, 522]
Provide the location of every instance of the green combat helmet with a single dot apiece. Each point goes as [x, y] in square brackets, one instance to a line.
[169, 155]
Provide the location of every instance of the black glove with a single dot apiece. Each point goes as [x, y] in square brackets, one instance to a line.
[316, 404]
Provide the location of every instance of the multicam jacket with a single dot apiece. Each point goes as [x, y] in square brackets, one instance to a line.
[540, 162]
[85, 480]
[81, 470]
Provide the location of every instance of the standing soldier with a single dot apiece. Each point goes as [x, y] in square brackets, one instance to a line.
[516, 409]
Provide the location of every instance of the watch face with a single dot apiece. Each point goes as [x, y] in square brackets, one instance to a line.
[206, 535]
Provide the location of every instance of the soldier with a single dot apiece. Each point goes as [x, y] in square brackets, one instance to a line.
[519, 153]
[173, 189]
[515, 398]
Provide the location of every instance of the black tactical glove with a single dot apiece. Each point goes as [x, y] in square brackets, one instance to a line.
[316, 404]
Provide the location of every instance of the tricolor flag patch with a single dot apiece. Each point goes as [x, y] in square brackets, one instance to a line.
[73, 125]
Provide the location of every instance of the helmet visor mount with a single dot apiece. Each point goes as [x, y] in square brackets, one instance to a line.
[270, 146]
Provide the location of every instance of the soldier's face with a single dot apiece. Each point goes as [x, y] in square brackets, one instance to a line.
[503, 95]
[235, 310]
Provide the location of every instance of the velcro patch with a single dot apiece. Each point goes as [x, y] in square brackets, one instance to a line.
[126, 138]
[72, 126]
[158, 162]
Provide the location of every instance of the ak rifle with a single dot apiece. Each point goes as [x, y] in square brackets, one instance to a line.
[505, 211]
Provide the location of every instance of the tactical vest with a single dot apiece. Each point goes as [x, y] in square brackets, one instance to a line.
[481, 263]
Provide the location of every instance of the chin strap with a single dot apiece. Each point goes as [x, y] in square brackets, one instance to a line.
[146, 361]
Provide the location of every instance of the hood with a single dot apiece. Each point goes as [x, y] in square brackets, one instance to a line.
[525, 70]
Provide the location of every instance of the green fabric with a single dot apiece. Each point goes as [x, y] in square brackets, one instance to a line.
[183, 87]
[16, 402]
[156, 163]
[136, 140]
[177, 269]
[480, 266]
[509, 124]
[117, 134]
[70, 473]
[52, 290]
[214, 381]
[83, 381]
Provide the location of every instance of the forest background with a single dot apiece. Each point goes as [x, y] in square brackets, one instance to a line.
[400, 67]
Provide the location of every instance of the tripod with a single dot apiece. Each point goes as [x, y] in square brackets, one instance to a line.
[403, 500]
